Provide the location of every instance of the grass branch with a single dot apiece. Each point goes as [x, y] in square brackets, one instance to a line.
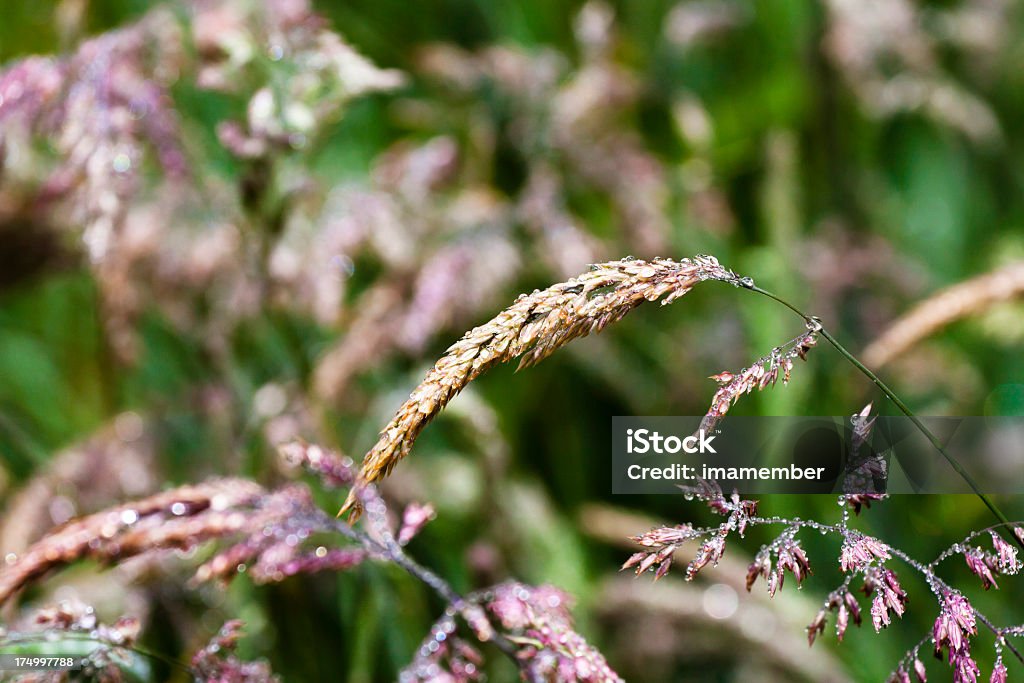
[891, 395]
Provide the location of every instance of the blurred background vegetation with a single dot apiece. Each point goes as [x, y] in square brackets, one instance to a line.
[297, 273]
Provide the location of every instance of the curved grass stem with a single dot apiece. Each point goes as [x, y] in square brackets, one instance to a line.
[891, 395]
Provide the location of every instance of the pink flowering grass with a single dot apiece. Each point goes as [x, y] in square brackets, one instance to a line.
[862, 558]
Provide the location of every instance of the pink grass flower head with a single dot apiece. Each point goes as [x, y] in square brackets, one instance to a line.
[998, 672]
[414, 518]
[953, 629]
[981, 565]
[860, 552]
[1006, 554]
[889, 597]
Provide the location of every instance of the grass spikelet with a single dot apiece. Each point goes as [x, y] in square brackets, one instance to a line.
[760, 375]
[531, 329]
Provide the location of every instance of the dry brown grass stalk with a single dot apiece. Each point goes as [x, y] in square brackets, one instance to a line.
[531, 329]
[170, 519]
[959, 301]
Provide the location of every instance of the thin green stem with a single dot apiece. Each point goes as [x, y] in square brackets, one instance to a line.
[891, 395]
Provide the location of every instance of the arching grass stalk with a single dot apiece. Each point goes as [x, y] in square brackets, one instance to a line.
[891, 395]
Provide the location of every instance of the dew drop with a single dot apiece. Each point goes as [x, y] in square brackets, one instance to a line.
[122, 162]
[344, 265]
